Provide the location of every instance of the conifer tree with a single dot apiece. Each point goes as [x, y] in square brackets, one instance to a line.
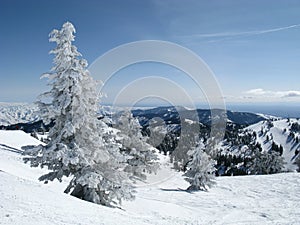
[187, 140]
[201, 172]
[297, 162]
[265, 162]
[142, 156]
[77, 147]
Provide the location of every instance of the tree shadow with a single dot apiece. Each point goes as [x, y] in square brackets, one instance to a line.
[10, 149]
[176, 190]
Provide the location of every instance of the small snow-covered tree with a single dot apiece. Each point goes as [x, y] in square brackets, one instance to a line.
[265, 162]
[76, 145]
[187, 140]
[142, 157]
[297, 162]
[201, 171]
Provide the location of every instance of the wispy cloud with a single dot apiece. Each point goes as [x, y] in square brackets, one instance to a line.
[228, 35]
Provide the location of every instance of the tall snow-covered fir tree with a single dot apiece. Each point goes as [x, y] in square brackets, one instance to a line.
[77, 146]
[200, 169]
[142, 157]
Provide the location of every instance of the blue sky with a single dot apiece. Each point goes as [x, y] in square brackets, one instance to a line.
[253, 47]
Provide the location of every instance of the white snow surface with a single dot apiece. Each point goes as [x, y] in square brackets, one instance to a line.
[265, 199]
[17, 139]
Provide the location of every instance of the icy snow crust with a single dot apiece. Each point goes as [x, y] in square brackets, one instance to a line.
[268, 199]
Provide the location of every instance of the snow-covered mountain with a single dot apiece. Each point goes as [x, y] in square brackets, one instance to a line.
[172, 115]
[268, 199]
[270, 131]
[12, 113]
[284, 133]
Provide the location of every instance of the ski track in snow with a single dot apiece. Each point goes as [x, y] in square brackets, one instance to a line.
[265, 199]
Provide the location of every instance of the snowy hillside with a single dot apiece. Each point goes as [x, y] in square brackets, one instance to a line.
[12, 113]
[270, 199]
[281, 133]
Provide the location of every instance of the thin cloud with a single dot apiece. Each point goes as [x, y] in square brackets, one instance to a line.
[229, 35]
[291, 94]
[259, 92]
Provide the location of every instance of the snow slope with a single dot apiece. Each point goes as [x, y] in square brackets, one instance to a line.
[270, 199]
[17, 138]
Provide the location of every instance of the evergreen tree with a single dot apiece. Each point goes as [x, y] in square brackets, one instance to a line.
[297, 161]
[265, 162]
[280, 150]
[141, 155]
[200, 172]
[187, 140]
[77, 146]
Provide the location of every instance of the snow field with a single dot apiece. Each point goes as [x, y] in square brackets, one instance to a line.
[265, 199]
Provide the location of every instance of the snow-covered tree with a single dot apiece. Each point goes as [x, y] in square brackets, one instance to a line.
[297, 162]
[201, 171]
[77, 146]
[265, 162]
[187, 140]
[142, 157]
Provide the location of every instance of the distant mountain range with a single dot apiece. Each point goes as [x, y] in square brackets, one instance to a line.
[171, 115]
[22, 113]
[270, 132]
[13, 113]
